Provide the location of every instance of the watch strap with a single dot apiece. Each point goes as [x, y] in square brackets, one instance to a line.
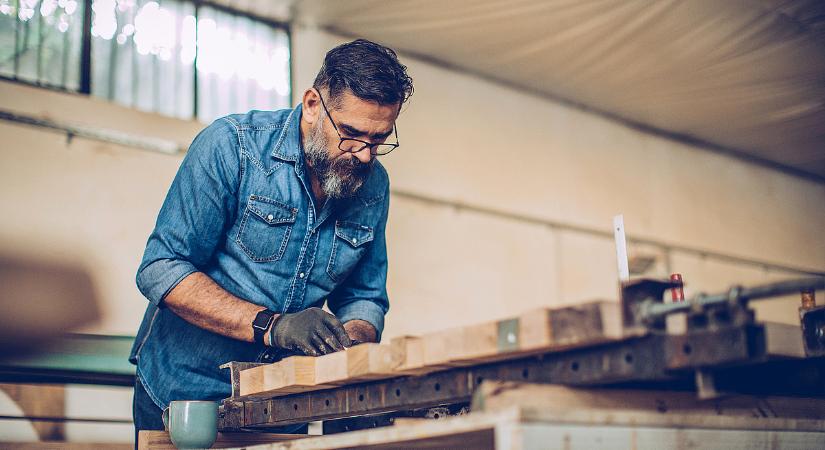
[261, 324]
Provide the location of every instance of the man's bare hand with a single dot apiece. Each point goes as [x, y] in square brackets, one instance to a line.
[361, 330]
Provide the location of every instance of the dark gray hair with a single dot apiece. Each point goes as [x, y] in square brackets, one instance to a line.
[370, 71]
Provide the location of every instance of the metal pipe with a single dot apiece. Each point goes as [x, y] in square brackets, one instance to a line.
[657, 310]
[111, 136]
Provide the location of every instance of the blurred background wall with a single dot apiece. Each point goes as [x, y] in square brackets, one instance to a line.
[502, 200]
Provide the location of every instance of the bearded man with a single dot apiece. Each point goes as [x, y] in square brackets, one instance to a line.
[271, 214]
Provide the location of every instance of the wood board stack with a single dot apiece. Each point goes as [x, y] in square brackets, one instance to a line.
[535, 331]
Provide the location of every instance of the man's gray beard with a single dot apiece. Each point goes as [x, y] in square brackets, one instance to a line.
[339, 178]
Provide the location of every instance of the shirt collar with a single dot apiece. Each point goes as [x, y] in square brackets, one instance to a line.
[288, 147]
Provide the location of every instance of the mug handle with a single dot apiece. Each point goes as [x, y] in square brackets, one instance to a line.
[165, 417]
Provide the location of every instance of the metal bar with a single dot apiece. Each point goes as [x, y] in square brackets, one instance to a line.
[652, 360]
[656, 310]
[195, 95]
[111, 136]
[39, 64]
[64, 419]
[86, 50]
[621, 248]
[631, 360]
[17, 24]
[35, 375]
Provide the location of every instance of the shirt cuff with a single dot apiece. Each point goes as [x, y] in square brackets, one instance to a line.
[363, 310]
[161, 276]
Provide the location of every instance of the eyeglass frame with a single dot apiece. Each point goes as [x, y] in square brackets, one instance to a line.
[365, 143]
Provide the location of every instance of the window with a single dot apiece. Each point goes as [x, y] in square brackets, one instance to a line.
[40, 41]
[179, 58]
[242, 65]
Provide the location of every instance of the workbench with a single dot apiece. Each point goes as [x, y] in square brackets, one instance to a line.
[704, 374]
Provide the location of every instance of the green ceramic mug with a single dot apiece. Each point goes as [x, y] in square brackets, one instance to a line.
[192, 423]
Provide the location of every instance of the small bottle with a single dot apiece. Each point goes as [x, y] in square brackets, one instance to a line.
[677, 294]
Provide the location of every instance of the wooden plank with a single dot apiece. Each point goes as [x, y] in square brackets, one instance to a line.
[331, 369]
[408, 352]
[480, 340]
[511, 429]
[442, 347]
[61, 445]
[536, 331]
[370, 361]
[476, 431]
[159, 440]
[560, 404]
[251, 381]
[570, 326]
[289, 376]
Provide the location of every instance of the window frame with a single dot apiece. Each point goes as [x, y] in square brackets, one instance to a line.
[86, 52]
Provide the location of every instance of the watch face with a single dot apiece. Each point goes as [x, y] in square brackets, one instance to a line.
[262, 319]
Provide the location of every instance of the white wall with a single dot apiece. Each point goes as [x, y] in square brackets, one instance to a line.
[464, 140]
[473, 142]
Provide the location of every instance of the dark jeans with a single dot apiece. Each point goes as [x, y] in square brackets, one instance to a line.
[145, 412]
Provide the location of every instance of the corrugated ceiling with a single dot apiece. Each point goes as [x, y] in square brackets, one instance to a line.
[746, 77]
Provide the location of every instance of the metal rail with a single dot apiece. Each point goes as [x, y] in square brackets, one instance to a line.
[657, 310]
[644, 361]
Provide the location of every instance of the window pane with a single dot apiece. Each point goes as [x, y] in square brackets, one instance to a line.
[242, 65]
[40, 41]
[143, 54]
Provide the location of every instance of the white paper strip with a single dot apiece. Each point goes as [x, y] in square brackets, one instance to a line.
[621, 247]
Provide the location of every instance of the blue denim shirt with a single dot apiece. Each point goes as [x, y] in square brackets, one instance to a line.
[241, 210]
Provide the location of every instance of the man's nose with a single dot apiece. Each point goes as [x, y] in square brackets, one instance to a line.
[365, 155]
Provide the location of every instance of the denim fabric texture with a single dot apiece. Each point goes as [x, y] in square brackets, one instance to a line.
[241, 210]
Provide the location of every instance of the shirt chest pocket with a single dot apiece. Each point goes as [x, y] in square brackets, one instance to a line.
[348, 246]
[265, 228]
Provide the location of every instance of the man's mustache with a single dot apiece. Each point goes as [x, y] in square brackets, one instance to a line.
[353, 166]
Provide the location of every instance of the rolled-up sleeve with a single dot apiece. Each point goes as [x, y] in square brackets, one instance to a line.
[199, 206]
[363, 295]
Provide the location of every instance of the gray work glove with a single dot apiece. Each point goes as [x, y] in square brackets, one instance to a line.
[312, 331]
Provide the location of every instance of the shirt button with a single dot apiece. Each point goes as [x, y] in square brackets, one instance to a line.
[354, 241]
[270, 217]
[301, 275]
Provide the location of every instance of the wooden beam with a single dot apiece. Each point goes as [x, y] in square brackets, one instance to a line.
[370, 361]
[570, 326]
[560, 404]
[408, 353]
[159, 440]
[288, 376]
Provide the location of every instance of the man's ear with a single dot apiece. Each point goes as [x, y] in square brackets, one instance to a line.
[311, 109]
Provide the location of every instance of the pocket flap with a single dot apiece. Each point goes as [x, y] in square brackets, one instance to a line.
[271, 211]
[355, 234]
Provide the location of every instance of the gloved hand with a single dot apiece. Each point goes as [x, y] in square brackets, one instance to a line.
[312, 331]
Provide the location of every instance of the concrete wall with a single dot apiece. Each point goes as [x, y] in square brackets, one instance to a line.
[501, 200]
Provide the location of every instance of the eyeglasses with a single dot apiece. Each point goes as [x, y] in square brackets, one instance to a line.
[351, 145]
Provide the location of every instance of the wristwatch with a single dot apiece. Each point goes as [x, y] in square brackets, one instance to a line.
[261, 323]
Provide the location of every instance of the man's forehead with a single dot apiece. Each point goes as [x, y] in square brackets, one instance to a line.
[364, 115]
[349, 103]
